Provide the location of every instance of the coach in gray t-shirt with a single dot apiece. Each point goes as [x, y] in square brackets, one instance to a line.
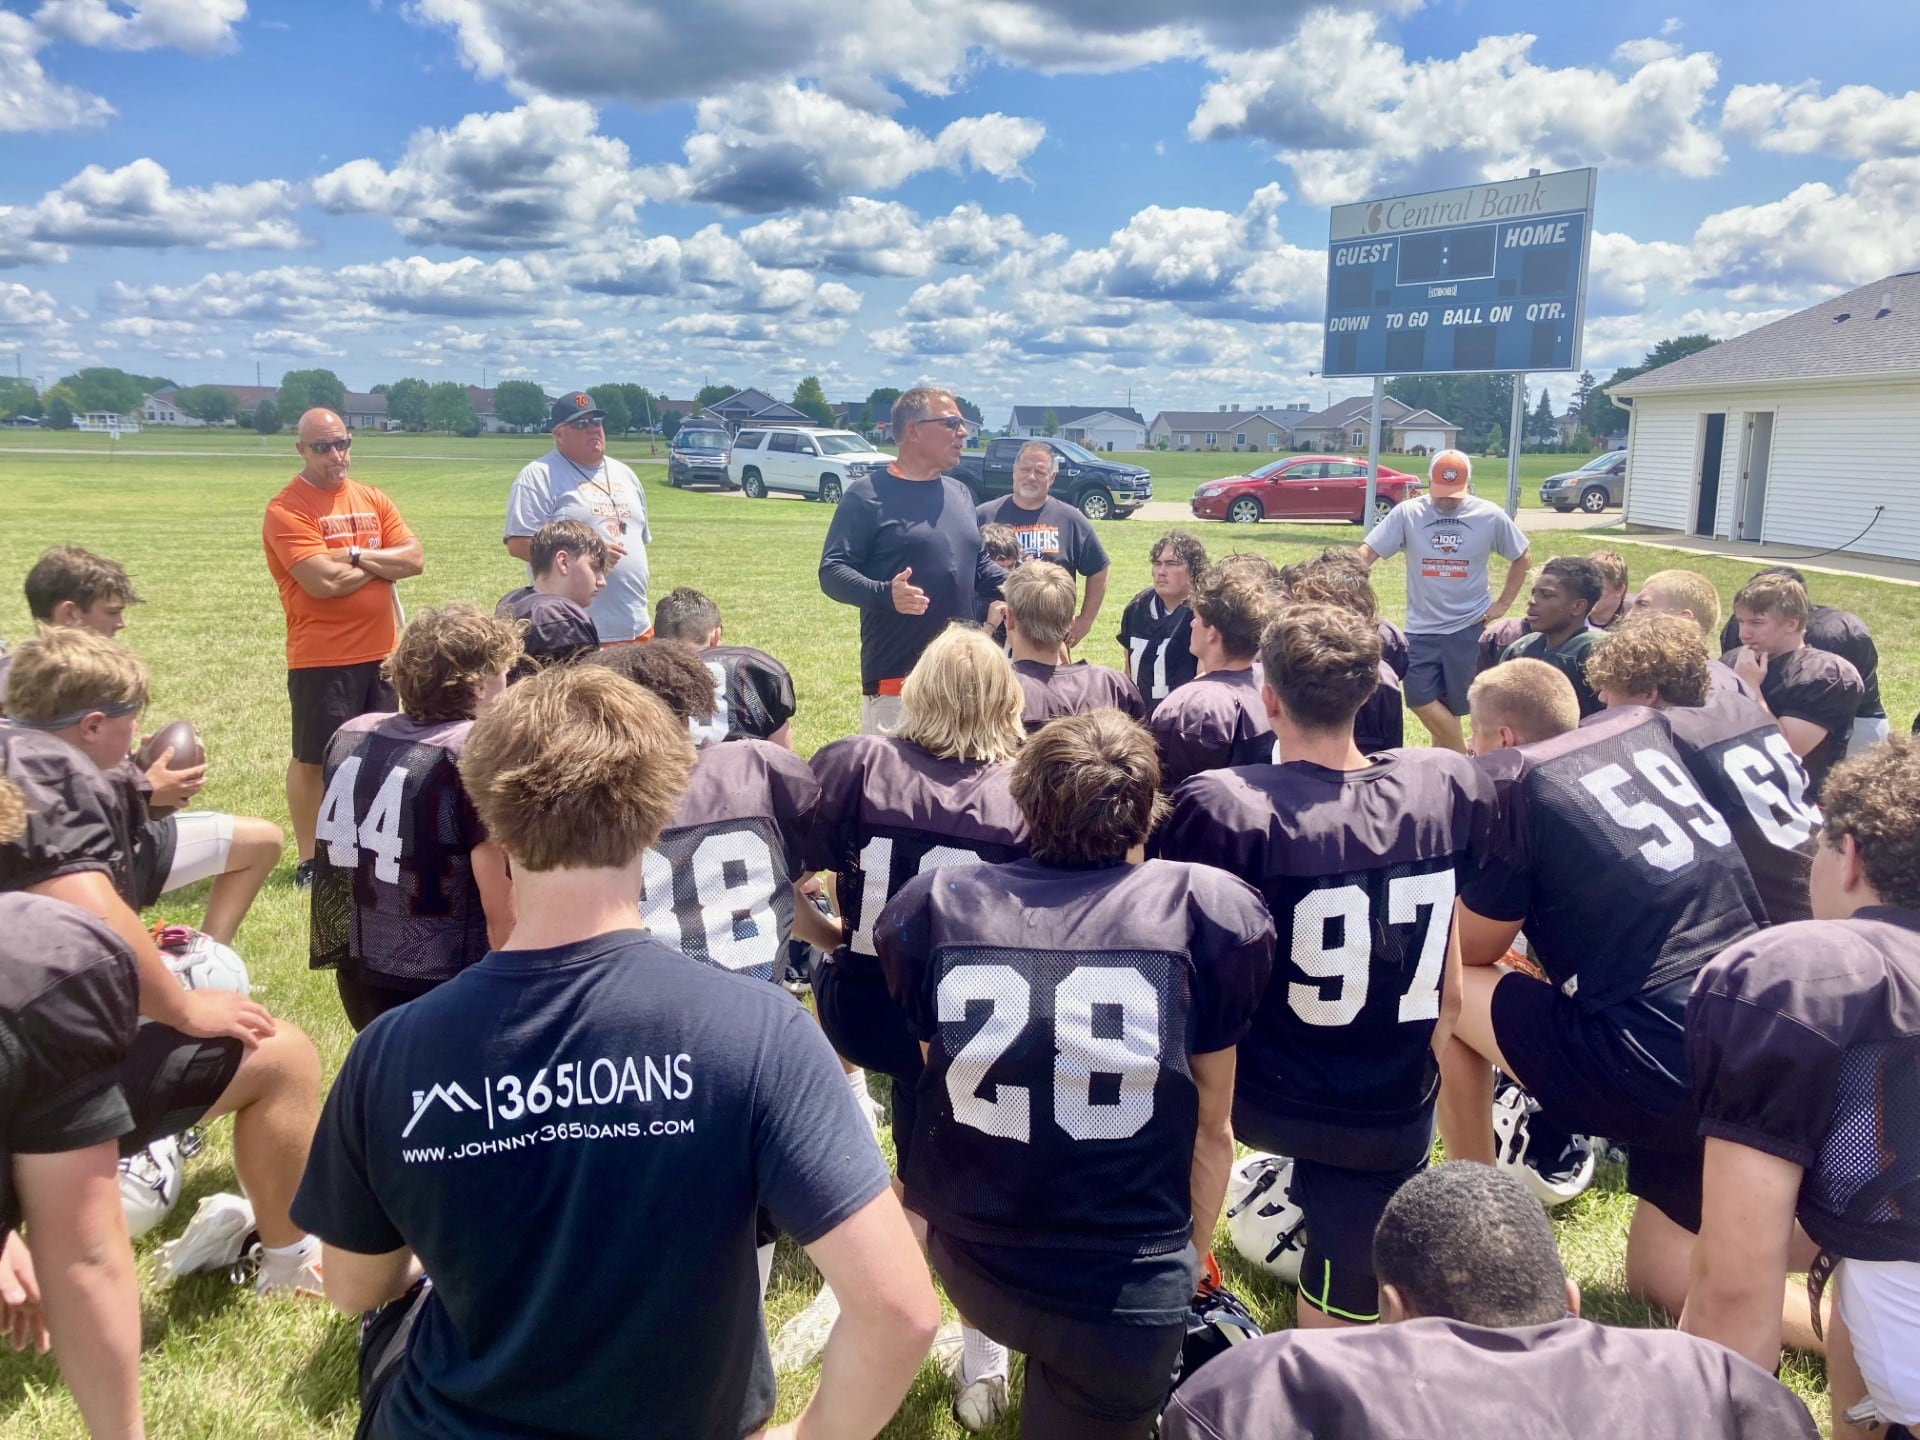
[1448, 536]
[578, 480]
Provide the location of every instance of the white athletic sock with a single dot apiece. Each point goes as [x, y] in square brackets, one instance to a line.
[979, 1356]
[857, 1082]
[765, 1255]
[281, 1263]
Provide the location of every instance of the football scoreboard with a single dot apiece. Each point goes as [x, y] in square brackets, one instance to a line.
[1482, 278]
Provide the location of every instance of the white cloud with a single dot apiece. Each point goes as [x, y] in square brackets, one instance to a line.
[956, 298]
[1814, 240]
[1492, 105]
[860, 236]
[29, 98]
[529, 178]
[290, 342]
[20, 306]
[1620, 270]
[200, 27]
[1855, 120]
[764, 148]
[138, 206]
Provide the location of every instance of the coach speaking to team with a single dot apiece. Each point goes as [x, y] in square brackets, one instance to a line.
[904, 547]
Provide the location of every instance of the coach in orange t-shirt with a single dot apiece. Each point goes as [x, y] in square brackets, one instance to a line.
[334, 547]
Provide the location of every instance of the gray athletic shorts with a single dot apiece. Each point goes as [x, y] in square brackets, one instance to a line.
[1441, 667]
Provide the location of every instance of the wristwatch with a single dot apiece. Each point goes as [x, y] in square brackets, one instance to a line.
[353, 556]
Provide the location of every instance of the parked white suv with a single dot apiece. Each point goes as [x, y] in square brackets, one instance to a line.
[814, 463]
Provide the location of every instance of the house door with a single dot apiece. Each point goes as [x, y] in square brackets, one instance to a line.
[1753, 477]
[1712, 444]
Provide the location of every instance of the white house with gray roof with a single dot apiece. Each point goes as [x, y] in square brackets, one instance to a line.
[1802, 432]
[1267, 428]
[1098, 427]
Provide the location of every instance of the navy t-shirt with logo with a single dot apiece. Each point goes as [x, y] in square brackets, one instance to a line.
[575, 1143]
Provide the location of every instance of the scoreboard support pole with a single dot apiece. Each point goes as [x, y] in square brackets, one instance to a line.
[1513, 443]
[1373, 450]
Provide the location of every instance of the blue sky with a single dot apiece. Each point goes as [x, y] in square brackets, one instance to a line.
[1033, 201]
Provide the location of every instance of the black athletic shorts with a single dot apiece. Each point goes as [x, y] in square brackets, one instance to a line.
[365, 1000]
[153, 850]
[1618, 1072]
[172, 1080]
[325, 697]
[1086, 1379]
[1343, 1208]
[864, 1025]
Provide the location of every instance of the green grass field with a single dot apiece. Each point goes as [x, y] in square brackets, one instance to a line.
[220, 1363]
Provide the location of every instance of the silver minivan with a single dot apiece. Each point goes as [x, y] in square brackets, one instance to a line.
[799, 461]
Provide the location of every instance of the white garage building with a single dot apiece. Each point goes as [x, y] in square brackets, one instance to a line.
[1795, 433]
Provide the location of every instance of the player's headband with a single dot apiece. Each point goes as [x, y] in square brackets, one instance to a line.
[113, 710]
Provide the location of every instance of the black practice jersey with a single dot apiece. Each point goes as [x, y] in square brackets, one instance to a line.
[752, 695]
[1382, 721]
[1748, 772]
[1061, 1009]
[78, 816]
[1570, 659]
[719, 881]
[1495, 638]
[557, 630]
[889, 810]
[1360, 869]
[394, 895]
[1393, 648]
[1622, 874]
[1055, 690]
[1822, 689]
[1159, 646]
[1838, 632]
[1210, 723]
[69, 1006]
[1804, 1042]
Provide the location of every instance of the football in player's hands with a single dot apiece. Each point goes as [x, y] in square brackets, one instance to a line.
[181, 738]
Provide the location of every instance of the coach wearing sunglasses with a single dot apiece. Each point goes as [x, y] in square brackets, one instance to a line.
[334, 548]
[578, 480]
[904, 547]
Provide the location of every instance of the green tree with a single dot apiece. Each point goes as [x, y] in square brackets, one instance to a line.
[1050, 424]
[518, 403]
[642, 409]
[302, 390]
[450, 408]
[670, 423]
[969, 409]
[17, 397]
[102, 387]
[1496, 441]
[1473, 402]
[1545, 429]
[713, 394]
[207, 402]
[610, 399]
[1582, 397]
[879, 406]
[1602, 417]
[266, 417]
[810, 399]
[59, 413]
[379, 389]
[407, 403]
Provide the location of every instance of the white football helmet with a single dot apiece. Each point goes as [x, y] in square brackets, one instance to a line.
[150, 1185]
[1268, 1227]
[1554, 1179]
[203, 963]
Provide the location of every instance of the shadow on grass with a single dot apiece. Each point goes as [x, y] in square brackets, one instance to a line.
[329, 1383]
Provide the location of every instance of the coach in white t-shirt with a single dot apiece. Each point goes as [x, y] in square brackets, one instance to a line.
[1448, 536]
[578, 480]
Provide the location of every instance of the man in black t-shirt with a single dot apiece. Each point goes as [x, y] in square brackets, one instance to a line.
[1814, 694]
[1626, 881]
[1804, 1045]
[407, 888]
[1563, 596]
[1079, 1017]
[1358, 859]
[1730, 745]
[643, 1104]
[904, 547]
[1842, 633]
[754, 698]
[1486, 1339]
[1039, 615]
[569, 563]
[1217, 719]
[198, 1054]
[1049, 529]
[1156, 627]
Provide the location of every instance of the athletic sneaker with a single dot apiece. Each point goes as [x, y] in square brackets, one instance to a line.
[949, 1343]
[803, 1339]
[219, 1234]
[303, 875]
[981, 1404]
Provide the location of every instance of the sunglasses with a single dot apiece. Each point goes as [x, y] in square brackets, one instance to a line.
[952, 422]
[585, 422]
[330, 447]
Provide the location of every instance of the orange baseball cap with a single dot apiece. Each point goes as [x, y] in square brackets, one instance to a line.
[1450, 473]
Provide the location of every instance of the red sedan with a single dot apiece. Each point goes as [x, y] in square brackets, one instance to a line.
[1303, 487]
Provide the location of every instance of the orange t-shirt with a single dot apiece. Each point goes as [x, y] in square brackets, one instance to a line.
[303, 521]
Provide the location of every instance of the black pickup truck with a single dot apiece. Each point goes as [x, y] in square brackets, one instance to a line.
[1100, 489]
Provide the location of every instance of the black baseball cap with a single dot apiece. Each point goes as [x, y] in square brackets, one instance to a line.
[573, 407]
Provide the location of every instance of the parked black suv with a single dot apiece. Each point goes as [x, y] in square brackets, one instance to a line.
[698, 455]
[1100, 489]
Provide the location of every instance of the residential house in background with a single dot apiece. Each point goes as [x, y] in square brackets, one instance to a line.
[366, 412]
[756, 407]
[1268, 428]
[159, 409]
[1344, 427]
[1097, 427]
